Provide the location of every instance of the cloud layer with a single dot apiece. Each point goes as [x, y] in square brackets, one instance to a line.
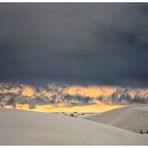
[104, 44]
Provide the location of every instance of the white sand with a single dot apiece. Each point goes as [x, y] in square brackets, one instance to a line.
[34, 128]
[133, 117]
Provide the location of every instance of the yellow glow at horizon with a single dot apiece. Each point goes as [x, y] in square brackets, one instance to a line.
[28, 91]
[47, 94]
[63, 108]
[91, 91]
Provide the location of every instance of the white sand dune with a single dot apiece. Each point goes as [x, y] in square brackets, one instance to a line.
[34, 128]
[133, 117]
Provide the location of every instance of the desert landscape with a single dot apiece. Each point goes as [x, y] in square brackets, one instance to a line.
[73, 73]
[35, 128]
[56, 115]
[133, 118]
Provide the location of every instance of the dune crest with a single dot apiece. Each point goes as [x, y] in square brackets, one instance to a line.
[133, 117]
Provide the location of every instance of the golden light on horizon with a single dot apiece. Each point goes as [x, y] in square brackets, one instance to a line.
[27, 91]
[66, 105]
[47, 94]
[91, 91]
[92, 108]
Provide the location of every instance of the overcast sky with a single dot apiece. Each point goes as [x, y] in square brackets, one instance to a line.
[104, 44]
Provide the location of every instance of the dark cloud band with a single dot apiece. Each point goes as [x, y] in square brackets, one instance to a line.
[84, 43]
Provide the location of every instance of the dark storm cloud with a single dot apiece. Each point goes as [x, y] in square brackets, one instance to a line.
[84, 43]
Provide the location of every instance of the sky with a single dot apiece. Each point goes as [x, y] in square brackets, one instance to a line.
[84, 43]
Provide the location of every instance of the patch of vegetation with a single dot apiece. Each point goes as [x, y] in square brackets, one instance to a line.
[142, 131]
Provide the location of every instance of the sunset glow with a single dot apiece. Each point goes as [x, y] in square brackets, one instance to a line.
[91, 91]
[64, 108]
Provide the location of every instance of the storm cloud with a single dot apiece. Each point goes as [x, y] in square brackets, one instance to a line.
[86, 43]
